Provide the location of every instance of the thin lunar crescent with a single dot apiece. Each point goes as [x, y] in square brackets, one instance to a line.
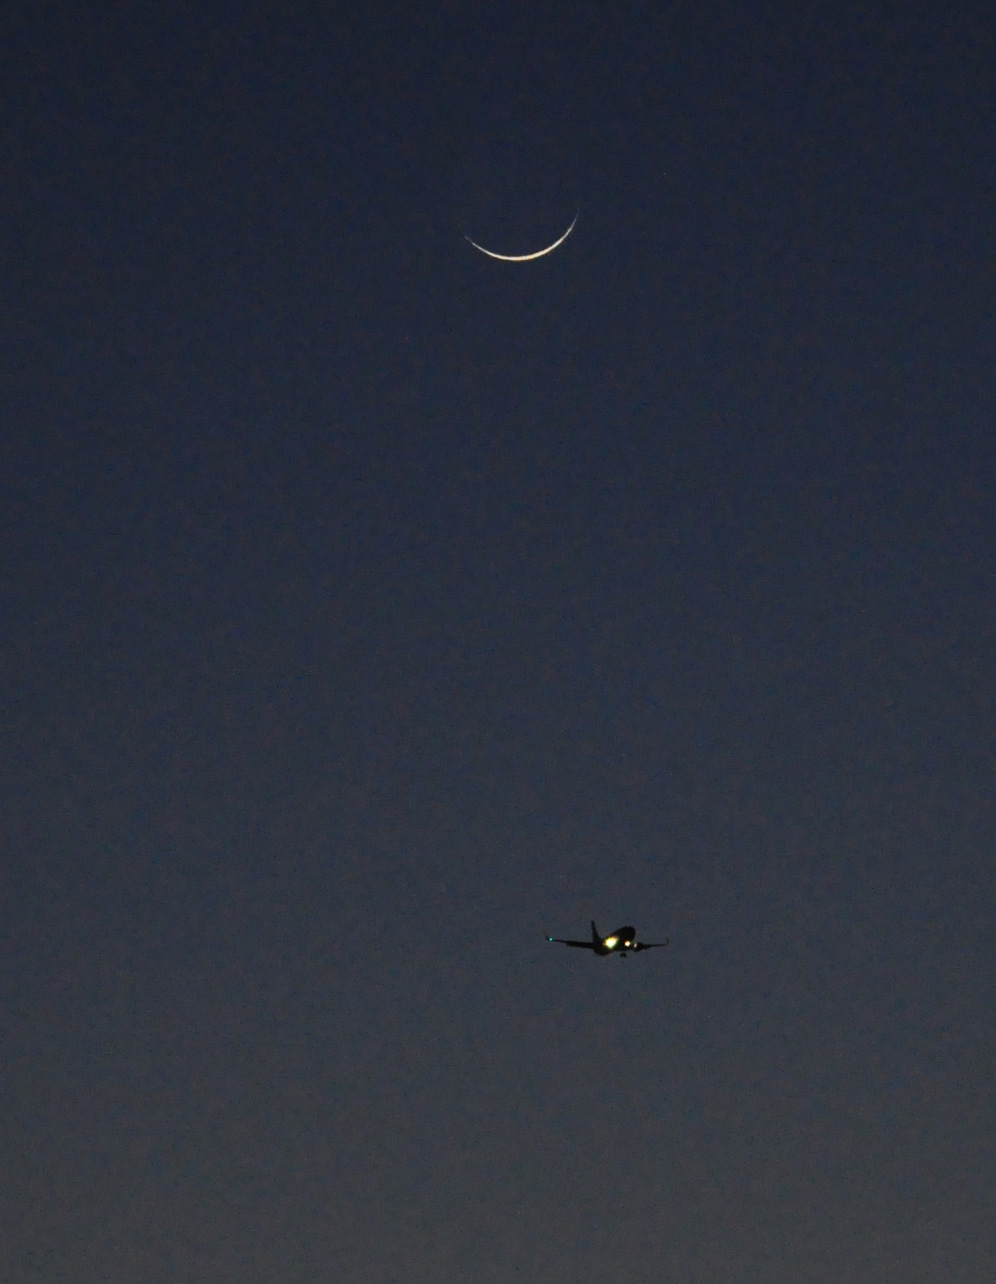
[525, 258]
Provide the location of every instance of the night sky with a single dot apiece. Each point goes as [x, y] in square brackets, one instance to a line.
[371, 608]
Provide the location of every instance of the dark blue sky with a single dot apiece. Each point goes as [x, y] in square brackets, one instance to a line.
[371, 608]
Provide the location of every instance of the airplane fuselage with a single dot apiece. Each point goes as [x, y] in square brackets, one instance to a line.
[617, 942]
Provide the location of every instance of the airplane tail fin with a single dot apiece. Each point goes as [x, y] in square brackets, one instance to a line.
[595, 938]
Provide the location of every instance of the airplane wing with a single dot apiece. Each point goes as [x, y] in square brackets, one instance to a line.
[651, 945]
[578, 945]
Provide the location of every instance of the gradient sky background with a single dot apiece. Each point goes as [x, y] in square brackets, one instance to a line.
[371, 608]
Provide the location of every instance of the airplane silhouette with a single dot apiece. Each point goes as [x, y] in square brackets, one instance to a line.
[617, 942]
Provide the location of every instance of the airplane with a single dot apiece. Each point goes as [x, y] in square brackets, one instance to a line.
[617, 942]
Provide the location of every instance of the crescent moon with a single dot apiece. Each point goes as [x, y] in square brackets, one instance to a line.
[525, 258]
